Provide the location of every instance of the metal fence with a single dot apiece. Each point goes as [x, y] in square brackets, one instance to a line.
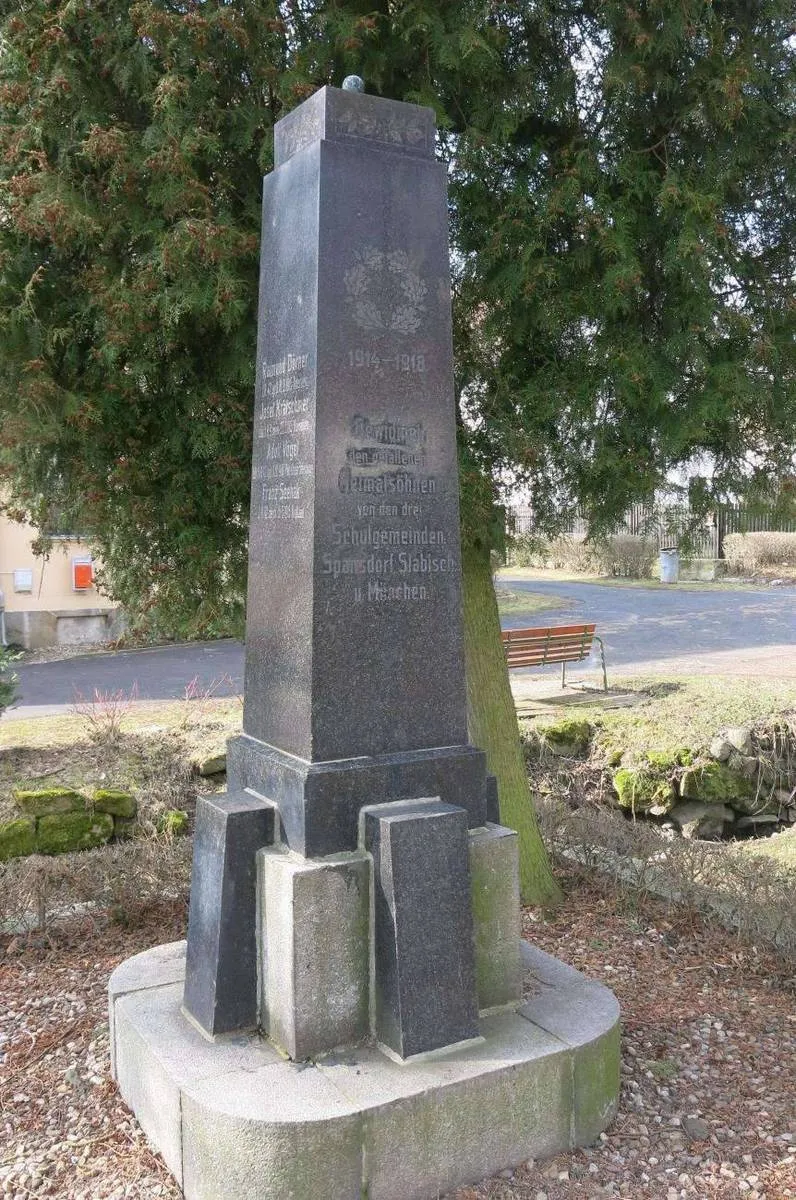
[674, 526]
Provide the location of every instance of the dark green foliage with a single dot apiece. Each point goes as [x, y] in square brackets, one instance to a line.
[8, 678]
[622, 219]
[627, 232]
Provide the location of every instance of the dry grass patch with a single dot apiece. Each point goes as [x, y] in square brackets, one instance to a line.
[517, 603]
[146, 748]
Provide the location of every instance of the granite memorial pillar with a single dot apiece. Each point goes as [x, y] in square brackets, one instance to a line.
[354, 694]
[353, 901]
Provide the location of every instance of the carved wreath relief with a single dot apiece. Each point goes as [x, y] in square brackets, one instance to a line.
[384, 292]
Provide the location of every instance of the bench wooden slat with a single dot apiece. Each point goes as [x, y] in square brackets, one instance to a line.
[540, 652]
[559, 644]
[539, 660]
[554, 643]
[550, 644]
[511, 634]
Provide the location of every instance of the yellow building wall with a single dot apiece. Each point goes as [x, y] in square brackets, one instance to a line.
[52, 577]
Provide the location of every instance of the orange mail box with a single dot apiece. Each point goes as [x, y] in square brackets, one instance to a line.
[82, 575]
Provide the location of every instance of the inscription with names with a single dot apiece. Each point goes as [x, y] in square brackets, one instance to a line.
[391, 128]
[283, 424]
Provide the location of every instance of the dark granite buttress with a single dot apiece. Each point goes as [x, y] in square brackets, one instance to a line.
[221, 960]
[424, 959]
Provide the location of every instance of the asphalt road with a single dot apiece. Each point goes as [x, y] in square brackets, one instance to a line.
[160, 673]
[745, 631]
[733, 631]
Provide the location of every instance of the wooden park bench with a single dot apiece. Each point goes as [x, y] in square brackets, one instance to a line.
[554, 644]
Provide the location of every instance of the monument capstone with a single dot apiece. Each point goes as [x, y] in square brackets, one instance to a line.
[347, 1015]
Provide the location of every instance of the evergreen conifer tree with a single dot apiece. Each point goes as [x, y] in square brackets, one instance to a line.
[622, 222]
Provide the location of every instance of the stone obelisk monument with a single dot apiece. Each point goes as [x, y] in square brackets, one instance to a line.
[348, 1012]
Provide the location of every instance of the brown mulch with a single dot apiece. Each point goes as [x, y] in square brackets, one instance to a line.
[709, 1033]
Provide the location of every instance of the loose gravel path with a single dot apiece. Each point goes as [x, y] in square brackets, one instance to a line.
[708, 1104]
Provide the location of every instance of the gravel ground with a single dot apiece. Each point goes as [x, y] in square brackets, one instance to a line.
[708, 1104]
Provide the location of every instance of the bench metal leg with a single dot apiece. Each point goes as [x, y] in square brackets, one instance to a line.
[563, 674]
[602, 660]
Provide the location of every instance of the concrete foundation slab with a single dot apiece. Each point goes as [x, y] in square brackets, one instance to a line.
[158, 1052]
[234, 1119]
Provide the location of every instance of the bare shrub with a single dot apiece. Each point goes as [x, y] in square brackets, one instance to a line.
[572, 553]
[622, 554]
[751, 552]
[117, 880]
[750, 895]
[626, 555]
[559, 553]
[104, 712]
[198, 698]
[528, 550]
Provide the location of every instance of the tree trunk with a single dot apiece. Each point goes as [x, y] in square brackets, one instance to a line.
[492, 722]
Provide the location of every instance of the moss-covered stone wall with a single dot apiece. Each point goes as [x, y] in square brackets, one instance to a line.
[60, 820]
[743, 782]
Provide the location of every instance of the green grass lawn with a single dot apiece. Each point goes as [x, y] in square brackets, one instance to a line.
[780, 848]
[681, 714]
[515, 604]
[688, 711]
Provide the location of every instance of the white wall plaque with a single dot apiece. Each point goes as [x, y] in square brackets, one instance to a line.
[23, 580]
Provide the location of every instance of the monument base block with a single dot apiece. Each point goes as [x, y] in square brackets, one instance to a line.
[234, 1119]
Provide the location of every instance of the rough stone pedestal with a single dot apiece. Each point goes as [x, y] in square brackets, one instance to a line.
[235, 1121]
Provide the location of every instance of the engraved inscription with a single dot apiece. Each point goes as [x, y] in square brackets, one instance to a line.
[389, 548]
[297, 130]
[359, 121]
[414, 363]
[283, 461]
[389, 483]
[388, 432]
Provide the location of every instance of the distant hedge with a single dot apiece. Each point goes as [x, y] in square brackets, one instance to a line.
[622, 554]
[752, 551]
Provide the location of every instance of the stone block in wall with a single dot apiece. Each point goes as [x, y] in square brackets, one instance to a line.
[43, 802]
[17, 838]
[115, 802]
[124, 827]
[61, 832]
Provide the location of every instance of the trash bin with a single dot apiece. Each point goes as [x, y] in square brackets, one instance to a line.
[670, 565]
